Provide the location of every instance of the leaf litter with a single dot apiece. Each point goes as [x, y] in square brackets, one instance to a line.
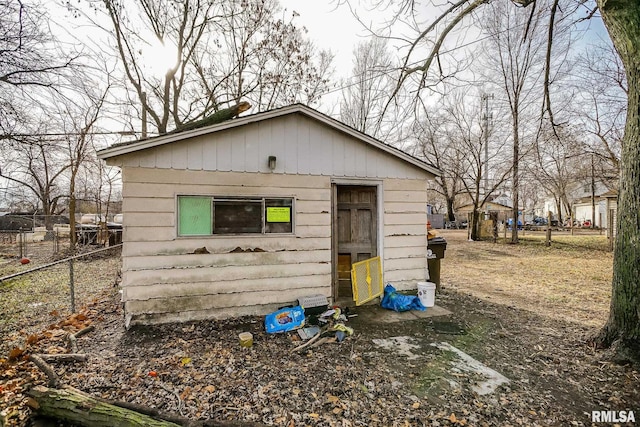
[199, 369]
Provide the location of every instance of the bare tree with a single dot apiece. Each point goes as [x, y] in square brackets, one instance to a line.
[222, 52]
[30, 58]
[366, 92]
[621, 20]
[435, 145]
[602, 89]
[36, 163]
[517, 57]
[558, 162]
[79, 123]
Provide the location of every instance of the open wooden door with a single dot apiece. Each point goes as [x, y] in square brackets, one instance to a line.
[355, 232]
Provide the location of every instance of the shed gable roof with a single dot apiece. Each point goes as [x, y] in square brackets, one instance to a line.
[135, 146]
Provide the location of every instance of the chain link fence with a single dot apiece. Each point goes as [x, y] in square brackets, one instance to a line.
[50, 286]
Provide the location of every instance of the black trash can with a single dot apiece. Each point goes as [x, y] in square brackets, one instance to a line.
[435, 252]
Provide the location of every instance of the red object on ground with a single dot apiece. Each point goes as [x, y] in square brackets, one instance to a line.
[25, 261]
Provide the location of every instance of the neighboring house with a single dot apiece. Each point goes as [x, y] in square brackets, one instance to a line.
[248, 215]
[611, 208]
[582, 206]
[504, 211]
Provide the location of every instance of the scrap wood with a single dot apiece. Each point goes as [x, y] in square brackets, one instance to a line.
[73, 337]
[54, 381]
[315, 338]
[65, 357]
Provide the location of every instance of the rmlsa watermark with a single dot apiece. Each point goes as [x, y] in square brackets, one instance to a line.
[613, 417]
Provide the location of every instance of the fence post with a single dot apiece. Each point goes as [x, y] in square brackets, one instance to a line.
[548, 239]
[71, 287]
[20, 244]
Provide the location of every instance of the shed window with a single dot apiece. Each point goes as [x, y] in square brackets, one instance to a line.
[195, 216]
[230, 215]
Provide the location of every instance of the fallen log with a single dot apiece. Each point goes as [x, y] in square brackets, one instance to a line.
[64, 357]
[78, 408]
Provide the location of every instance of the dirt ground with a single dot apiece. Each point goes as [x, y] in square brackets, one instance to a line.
[525, 310]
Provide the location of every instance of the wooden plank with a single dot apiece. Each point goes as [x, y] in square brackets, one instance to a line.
[405, 207]
[224, 259]
[196, 315]
[214, 274]
[393, 276]
[405, 252]
[291, 144]
[194, 154]
[150, 219]
[162, 176]
[148, 204]
[169, 290]
[223, 152]
[405, 196]
[404, 241]
[135, 190]
[219, 244]
[313, 219]
[238, 150]
[253, 139]
[313, 231]
[162, 156]
[178, 157]
[143, 234]
[405, 230]
[209, 155]
[148, 159]
[312, 206]
[404, 219]
[392, 184]
[405, 264]
[208, 302]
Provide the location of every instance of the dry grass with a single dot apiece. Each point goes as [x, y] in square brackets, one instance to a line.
[571, 280]
[31, 302]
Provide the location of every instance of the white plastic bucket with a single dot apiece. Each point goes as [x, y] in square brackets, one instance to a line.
[427, 293]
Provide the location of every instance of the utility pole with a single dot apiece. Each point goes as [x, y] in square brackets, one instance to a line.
[593, 195]
[486, 117]
[144, 115]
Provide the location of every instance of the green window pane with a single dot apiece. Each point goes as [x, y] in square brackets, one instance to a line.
[194, 216]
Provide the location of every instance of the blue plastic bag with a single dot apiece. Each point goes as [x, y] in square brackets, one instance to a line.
[284, 320]
[392, 300]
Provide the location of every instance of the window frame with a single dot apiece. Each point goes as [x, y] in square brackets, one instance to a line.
[249, 198]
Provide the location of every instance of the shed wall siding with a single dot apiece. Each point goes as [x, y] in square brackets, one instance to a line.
[301, 146]
[164, 280]
[405, 227]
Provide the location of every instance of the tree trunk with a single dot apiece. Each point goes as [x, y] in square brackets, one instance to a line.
[516, 183]
[77, 408]
[451, 216]
[622, 19]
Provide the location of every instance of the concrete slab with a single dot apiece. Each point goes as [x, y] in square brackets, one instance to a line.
[492, 379]
[377, 314]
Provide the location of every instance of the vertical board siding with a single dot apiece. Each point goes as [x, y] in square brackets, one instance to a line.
[302, 146]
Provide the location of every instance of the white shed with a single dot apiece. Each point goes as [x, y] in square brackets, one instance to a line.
[248, 215]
